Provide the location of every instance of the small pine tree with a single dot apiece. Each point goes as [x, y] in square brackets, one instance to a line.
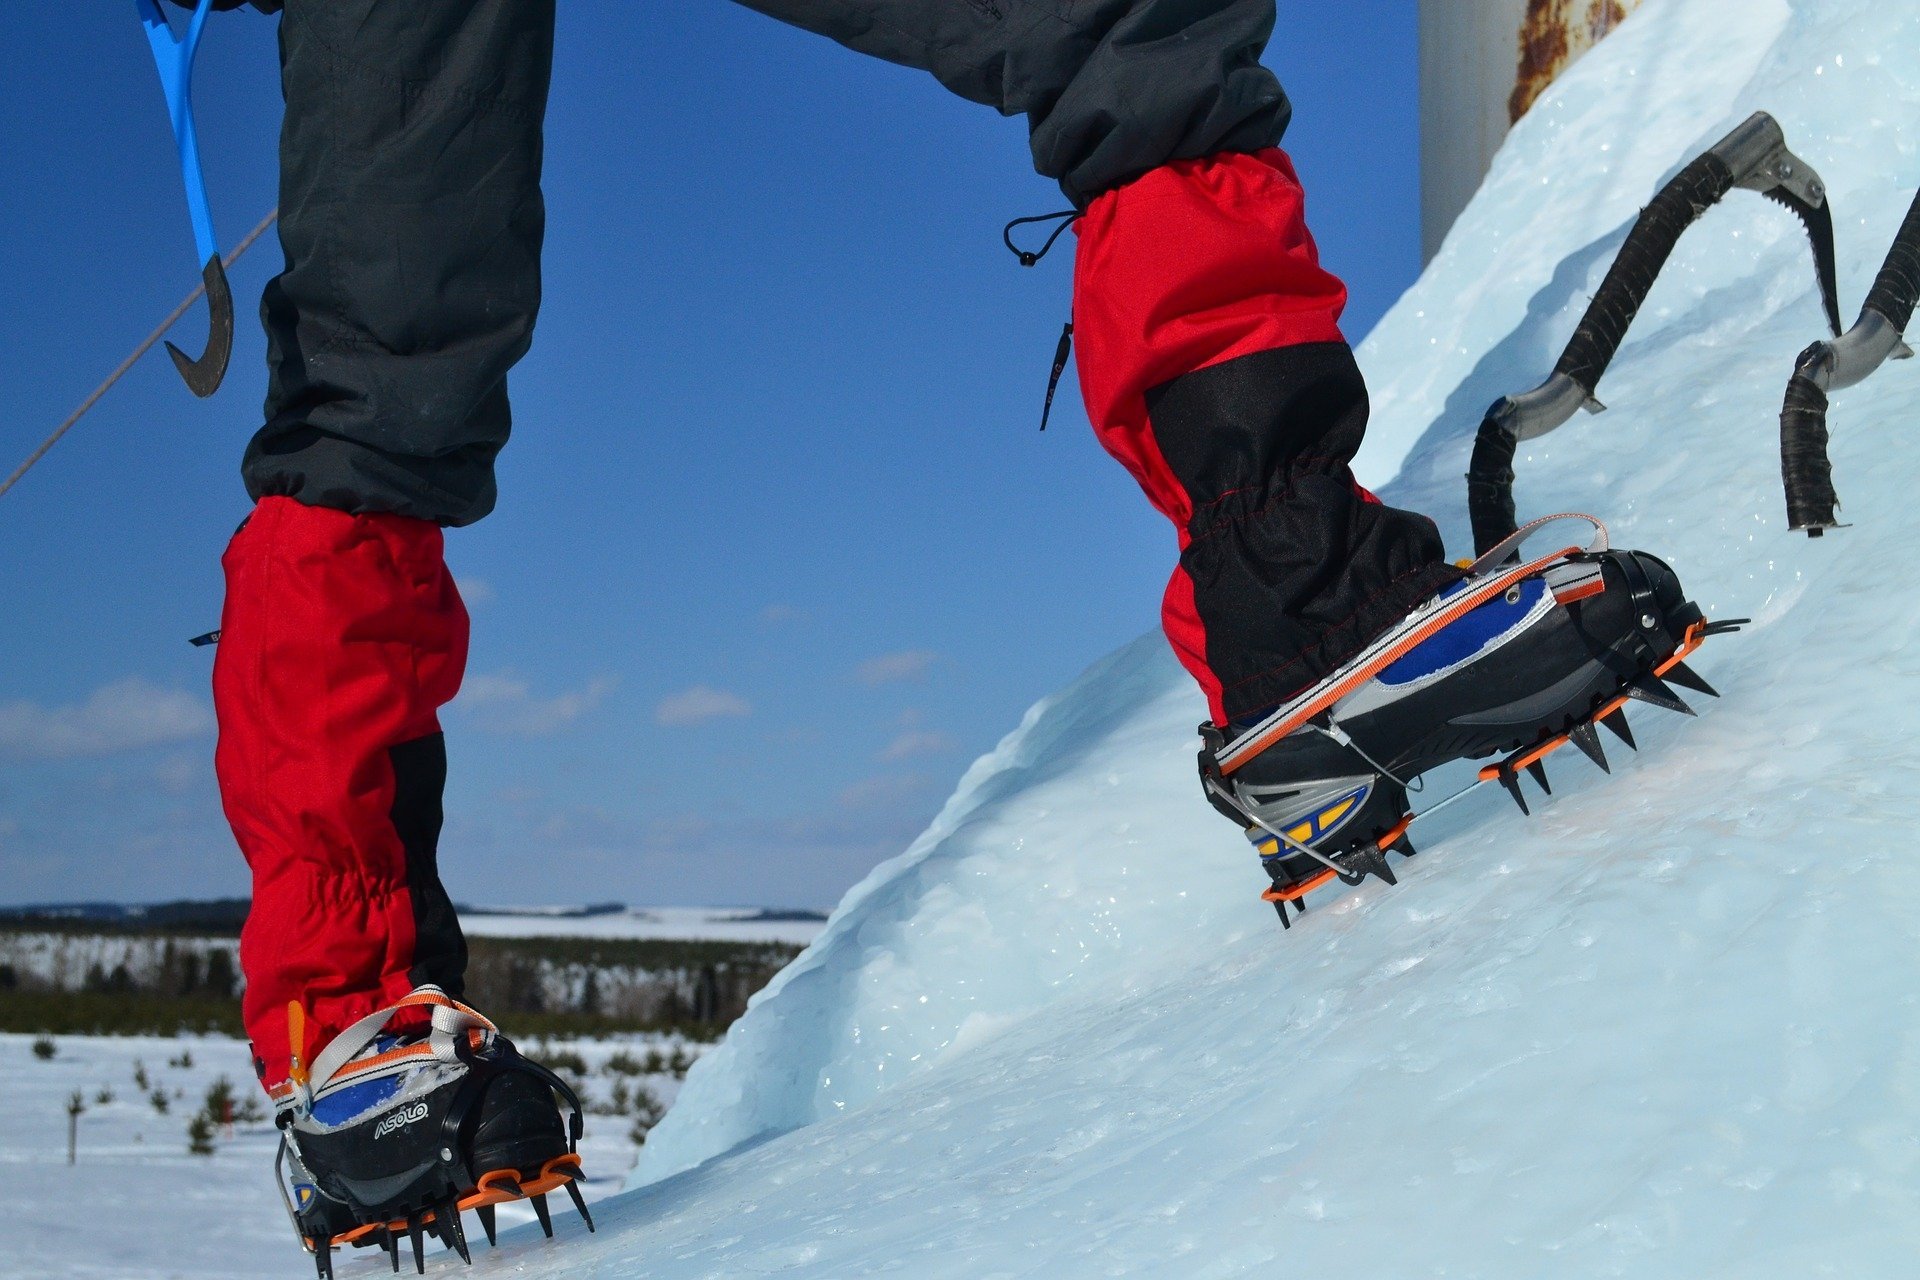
[104, 1098]
[566, 1062]
[219, 1104]
[184, 1062]
[624, 1064]
[250, 1112]
[44, 1048]
[140, 1080]
[159, 1100]
[200, 1135]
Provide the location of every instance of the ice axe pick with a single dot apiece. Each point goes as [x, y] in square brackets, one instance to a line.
[173, 55]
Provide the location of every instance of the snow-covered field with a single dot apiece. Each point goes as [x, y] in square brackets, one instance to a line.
[136, 1204]
[1664, 1029]
[709, 924]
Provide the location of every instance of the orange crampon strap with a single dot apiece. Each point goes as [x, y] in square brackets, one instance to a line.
[1295, 892]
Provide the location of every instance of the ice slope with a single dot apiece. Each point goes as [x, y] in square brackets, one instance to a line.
[1665, 1028]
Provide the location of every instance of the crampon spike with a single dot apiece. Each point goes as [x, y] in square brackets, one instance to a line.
[391, 1243]
[451, 1231]
[323, 1259]
[1617, 725]
[415, 1234]
[1687, 678]
[487, 1223]
[1367, 862]
[1538, 772]
[579, 1203]
[1651, 689]
[1511, 782]
[539, 1203]
[1587, 738]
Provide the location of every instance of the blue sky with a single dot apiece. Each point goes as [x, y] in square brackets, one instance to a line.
[779, 549]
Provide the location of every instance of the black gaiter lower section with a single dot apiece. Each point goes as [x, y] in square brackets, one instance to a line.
[419, 779]
[1293, 571]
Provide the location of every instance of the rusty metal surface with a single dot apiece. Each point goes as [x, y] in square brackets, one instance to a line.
[1553, 36]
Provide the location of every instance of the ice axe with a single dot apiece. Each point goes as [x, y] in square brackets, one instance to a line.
[173, 55]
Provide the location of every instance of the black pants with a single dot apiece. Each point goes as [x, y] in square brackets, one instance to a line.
[412, 220]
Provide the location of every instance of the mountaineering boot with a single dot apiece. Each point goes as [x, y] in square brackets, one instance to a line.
[413, 1114]
[1517, 657]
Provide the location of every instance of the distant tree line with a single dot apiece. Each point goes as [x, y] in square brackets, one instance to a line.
[163, 985]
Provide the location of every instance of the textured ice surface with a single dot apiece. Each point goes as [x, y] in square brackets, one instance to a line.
[1665, 1028]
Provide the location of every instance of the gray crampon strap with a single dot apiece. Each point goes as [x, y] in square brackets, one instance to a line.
[450, 1024]
[1508, 548]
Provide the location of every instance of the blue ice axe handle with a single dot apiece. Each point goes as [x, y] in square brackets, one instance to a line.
[174, 58]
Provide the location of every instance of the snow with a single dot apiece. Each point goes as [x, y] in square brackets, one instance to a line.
[1665, 1028]
[137, 1206]
[681, 924]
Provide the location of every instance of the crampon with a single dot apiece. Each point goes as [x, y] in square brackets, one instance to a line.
[393, 1135]
[1525, 656]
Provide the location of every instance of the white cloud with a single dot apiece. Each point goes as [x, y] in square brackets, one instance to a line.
[126, 715]
[699, 705]
[894, 668]
[475, 590]
[883, 791]
[918, 742]
[504, 703]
